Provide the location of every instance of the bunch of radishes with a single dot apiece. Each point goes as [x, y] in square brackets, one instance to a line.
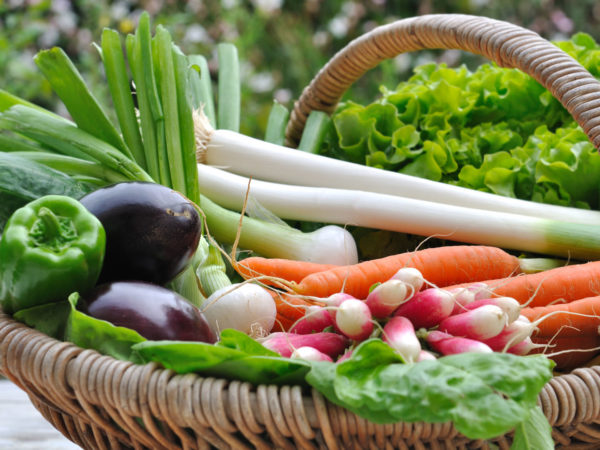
[417, 321]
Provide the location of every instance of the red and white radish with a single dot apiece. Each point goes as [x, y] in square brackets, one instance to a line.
[427, 308]
[424, 355]
[310, 354]
[480, 323]
[315, 320]
[466, 295]
[410, 276]
[353, 319]
[510, 335]
[386, 297]
[332, 344]
[447, 344]
[525, 347]
[509, 305]
[347, 354]
[399, 333]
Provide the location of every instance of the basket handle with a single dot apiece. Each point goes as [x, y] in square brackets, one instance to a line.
[504, 43]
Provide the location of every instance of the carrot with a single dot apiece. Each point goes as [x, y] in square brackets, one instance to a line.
[287, 269]
[565, 283]
[580, 317]
[441, 266]
[571, 359]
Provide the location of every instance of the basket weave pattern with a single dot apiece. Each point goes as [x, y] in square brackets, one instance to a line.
[102, 403]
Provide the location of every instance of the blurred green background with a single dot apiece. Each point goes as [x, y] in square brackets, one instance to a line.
[282, 44]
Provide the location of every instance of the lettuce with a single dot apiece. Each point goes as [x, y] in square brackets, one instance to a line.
[493, 129]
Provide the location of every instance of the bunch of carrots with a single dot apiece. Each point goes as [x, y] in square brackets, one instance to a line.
[454, 298]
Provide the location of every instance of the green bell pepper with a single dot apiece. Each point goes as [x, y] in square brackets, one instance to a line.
[51, 247]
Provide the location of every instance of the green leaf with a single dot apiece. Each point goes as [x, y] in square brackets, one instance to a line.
[236, 356]
[29, 180]
[50, 319]
[69, 85]
[535, 433]
[485, 395]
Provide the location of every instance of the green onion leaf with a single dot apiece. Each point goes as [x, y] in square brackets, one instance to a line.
[186, 124]
[278, 119]
[201, 86]
[69, 85]
[69, 139]
[229, 97]
[134, 55]
[159, 122]
[118, 82]
[165, 69]
[314, 132]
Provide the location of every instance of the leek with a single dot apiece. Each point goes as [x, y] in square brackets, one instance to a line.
[406, 215]
[262, 160]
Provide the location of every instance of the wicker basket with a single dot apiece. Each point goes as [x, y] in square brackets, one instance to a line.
[99, 402]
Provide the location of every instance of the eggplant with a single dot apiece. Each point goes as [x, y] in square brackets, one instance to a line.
[152, 231]
[155, 312]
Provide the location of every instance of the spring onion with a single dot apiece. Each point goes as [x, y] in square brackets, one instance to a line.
[258, 159]
[406, 215]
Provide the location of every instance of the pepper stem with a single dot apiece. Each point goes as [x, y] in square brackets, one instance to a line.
[51, 224]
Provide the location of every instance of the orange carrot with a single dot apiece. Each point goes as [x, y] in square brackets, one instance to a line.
[287, 269]
[579, 317]
[566, 283]
[441, 266]
[572, 359]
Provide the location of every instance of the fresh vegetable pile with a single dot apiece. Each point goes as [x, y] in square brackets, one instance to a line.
[151, 266]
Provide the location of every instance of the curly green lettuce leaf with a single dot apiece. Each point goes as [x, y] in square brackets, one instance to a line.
[492, 129]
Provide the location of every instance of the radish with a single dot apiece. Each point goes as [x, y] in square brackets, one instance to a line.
[512, 334]
[347, 354]
[424, 355]
[480, 323]
[427, 308]
[411, 276]
[447, 344]
[353, 319]
[509, 305]
[525, 347]
[399, 334]
[334, 301]
[463, 296]
[315, 320]
[246, 307]
[468, 294]
[332, 344]
[385, 298]
[310, 354]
